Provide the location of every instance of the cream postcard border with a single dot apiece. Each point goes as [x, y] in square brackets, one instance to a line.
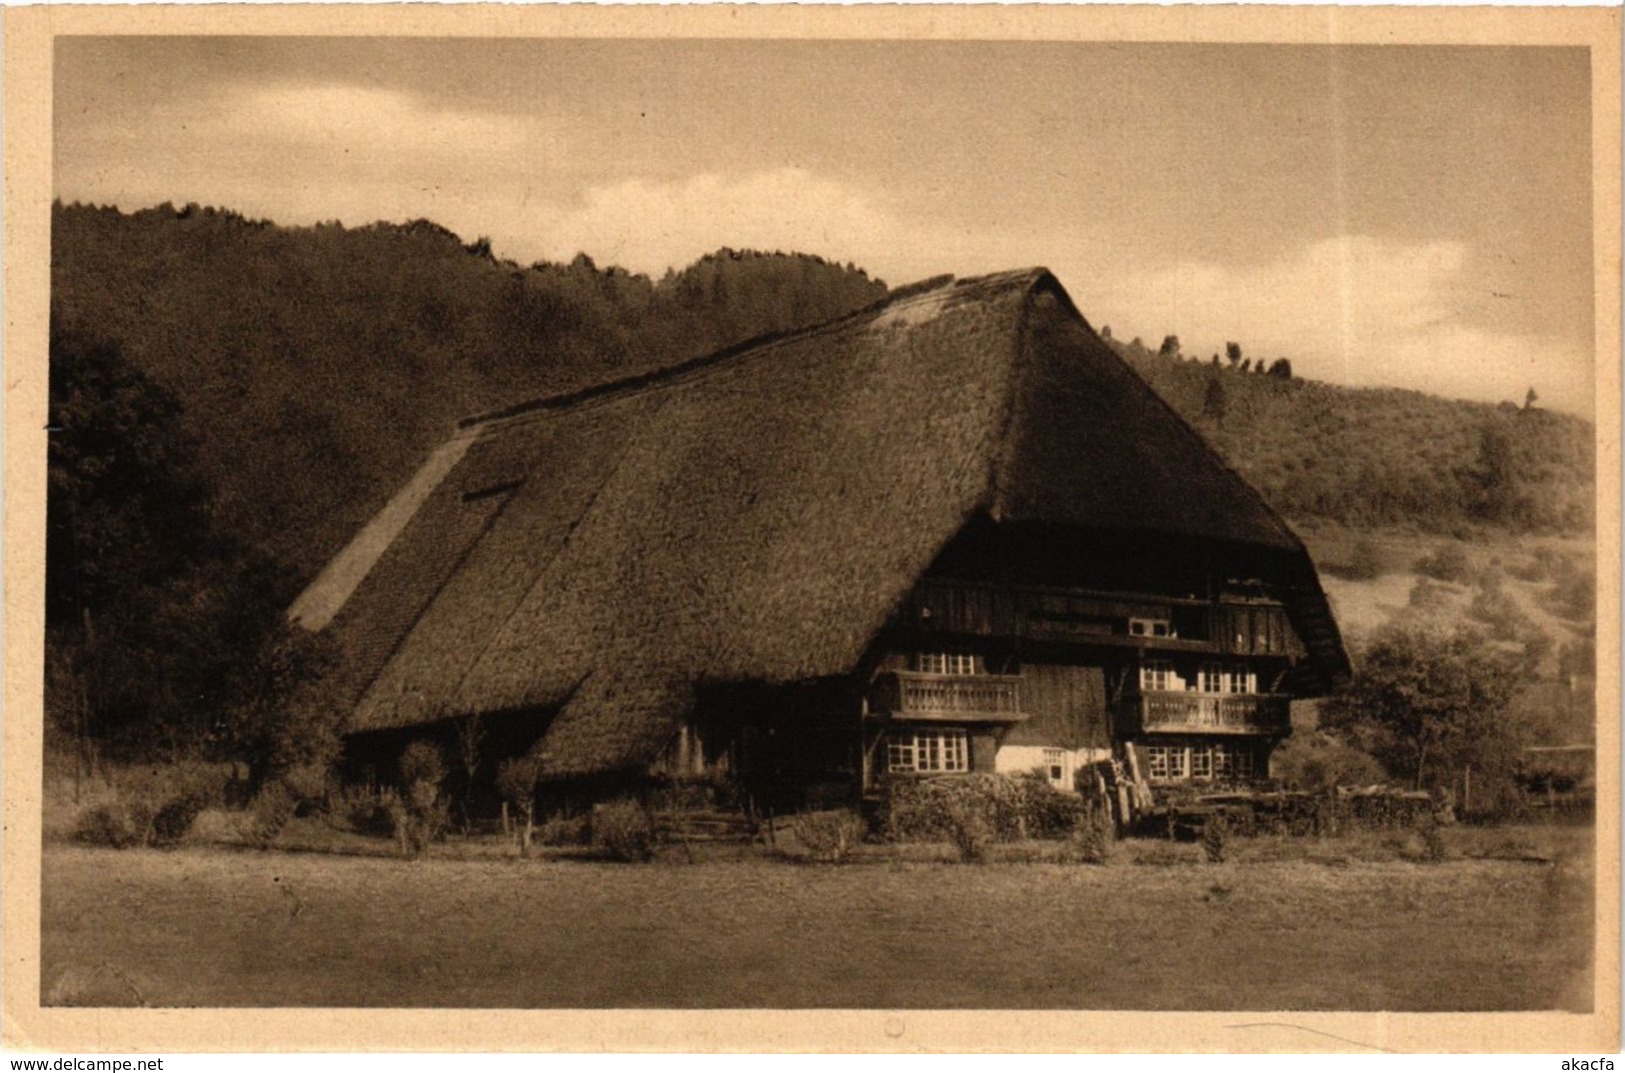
[29, 33]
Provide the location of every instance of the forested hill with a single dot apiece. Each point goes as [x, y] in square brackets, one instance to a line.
[315, 366]
[1375, 457]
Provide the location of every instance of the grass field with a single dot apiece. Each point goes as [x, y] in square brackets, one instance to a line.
[1155, 929]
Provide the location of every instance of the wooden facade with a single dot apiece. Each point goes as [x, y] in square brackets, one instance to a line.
[977, 673]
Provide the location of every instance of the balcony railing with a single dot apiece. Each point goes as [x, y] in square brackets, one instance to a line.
[957, 697]
[1237, 712]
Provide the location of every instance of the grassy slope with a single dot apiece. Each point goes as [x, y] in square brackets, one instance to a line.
[1374, 457]
[208, 928]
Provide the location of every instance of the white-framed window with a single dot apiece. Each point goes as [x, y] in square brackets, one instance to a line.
[1216, 678]
[1055, 767]
[1150, 627]
[1156, 675]
[945, 663]
[1201, 762]
[927, 750]
[1166, 762]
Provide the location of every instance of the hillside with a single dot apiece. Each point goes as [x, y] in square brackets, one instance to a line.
[1385, 457]
[314, 367]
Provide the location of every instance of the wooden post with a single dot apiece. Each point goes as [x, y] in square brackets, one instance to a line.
[1467, 790]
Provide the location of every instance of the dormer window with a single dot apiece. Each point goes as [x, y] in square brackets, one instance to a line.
[1150, 627]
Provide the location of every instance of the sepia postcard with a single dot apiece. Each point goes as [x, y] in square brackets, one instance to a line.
[917, 528]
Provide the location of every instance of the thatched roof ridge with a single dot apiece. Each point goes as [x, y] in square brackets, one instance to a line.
[666, 374]
[756, 515]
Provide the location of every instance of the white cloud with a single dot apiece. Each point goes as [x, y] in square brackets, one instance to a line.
[1350, 309]
[646, 226]
[1355, 310]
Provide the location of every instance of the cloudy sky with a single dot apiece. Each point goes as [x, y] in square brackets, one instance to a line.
[1410, 216]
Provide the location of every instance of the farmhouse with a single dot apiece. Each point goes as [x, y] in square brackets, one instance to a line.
[953, 532]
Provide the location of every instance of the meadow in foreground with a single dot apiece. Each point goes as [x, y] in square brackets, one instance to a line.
[1360, 923]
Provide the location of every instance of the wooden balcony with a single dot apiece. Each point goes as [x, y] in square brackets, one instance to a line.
[955, 698]
[1209, 713]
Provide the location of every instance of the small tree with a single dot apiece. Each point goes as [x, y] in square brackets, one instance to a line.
[1365, 560]
[286, 721]
[1169, 348]
[1530, 398]
[1490, 485]
[1232, 353]
[1213, 402]
[516, 782]
[470, 736]
[1281, 368]
[423, 770]
[1423, 700]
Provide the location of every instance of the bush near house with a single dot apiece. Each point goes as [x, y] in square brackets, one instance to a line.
[1316, 762]
[424, 812]
[1011, 808]
[1093, 840]
[623, 831]
[271, 811]
[830, 836]
[153, 805]
[115, 824]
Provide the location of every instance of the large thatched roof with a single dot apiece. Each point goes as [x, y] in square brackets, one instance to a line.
[756, 515]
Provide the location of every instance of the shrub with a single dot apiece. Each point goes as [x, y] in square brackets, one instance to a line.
[1433, 848]
[117, 825]
[830, 836]
[516, 782]
[1317, 761]
[564, 831]
[1499, 612]
[1092, 839]
[308, 784]
[422, 814]
[1010, 808]
[422, 762]
[1215, 835]
[1574, 594]
[1428, 596]
[272, 810]
[371, 812]
[421, 818]
[1044, 811]
[175, 818]
[915, 811]
[622, 830]
[1365, 561]
[1447, 562]
[969, 829]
